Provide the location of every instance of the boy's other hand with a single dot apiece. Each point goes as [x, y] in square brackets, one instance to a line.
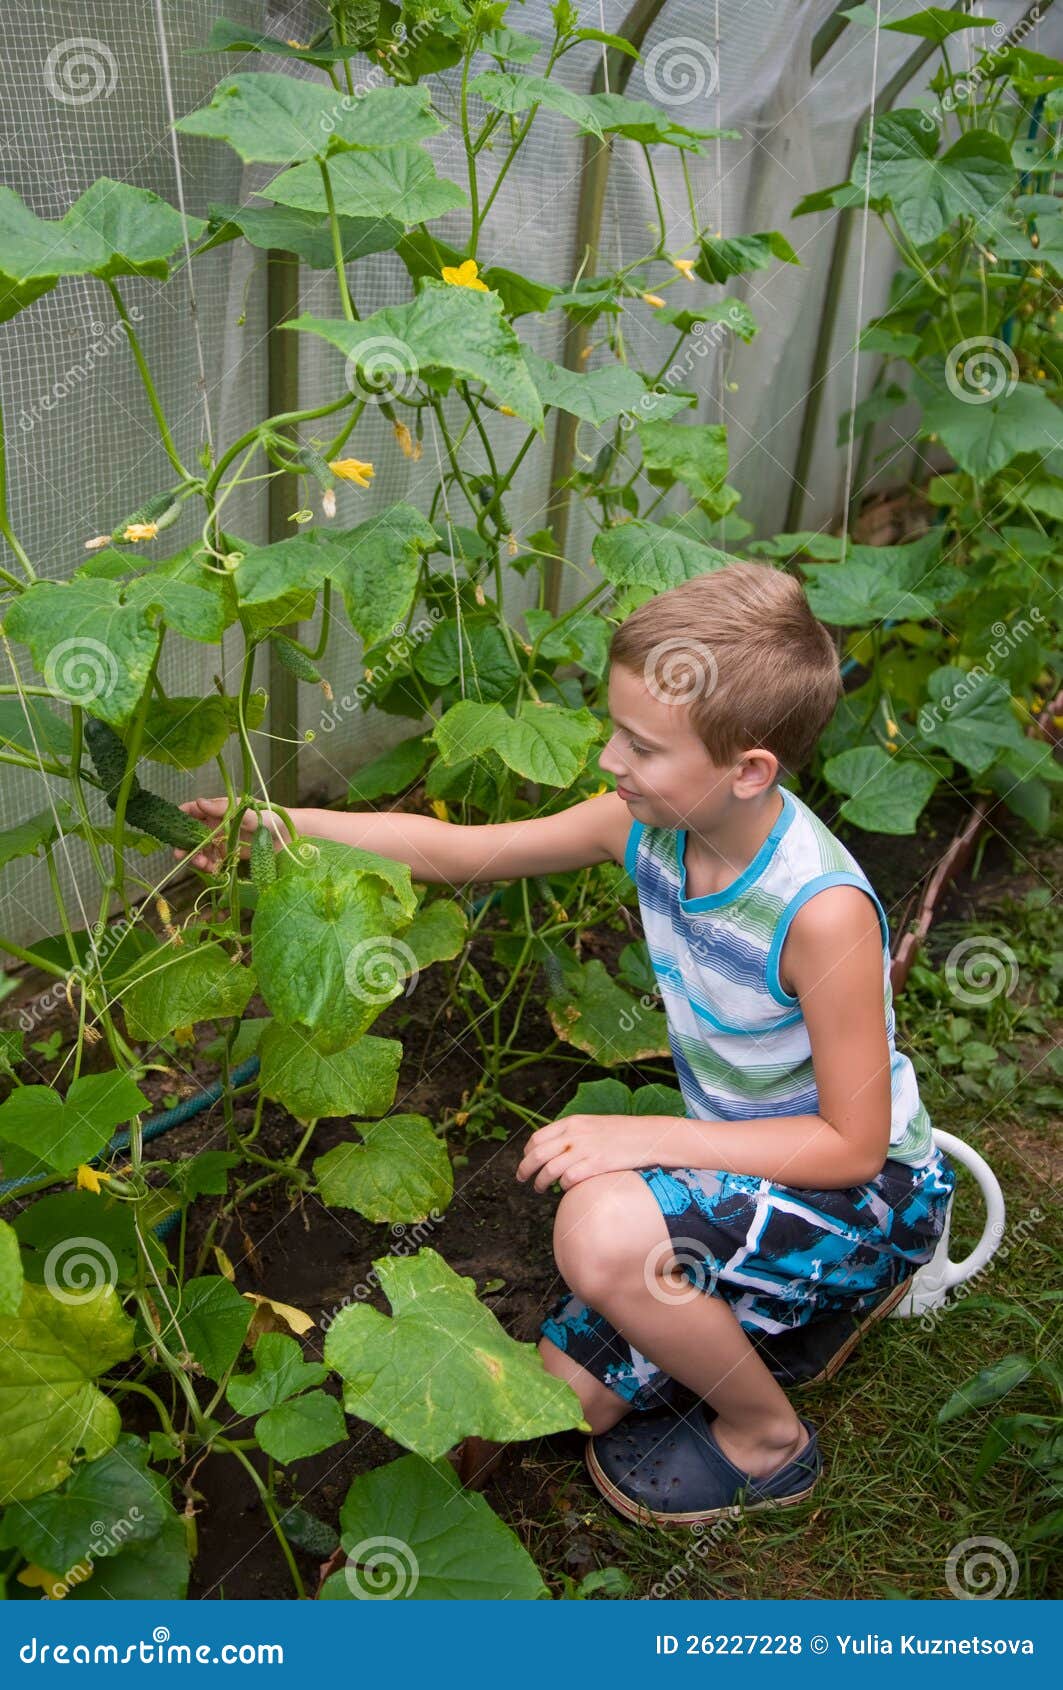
[211, 812]
[578, 1146]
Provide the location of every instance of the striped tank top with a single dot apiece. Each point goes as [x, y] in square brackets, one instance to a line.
[739, 1041]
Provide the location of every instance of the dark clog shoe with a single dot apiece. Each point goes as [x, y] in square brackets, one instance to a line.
[667, 1468]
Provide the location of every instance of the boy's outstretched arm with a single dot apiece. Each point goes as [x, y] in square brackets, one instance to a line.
[592, 831]
[832, 962]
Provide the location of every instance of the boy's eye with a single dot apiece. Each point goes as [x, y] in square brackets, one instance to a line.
[639, 750]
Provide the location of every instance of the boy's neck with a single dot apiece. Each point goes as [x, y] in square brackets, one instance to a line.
[721, 856]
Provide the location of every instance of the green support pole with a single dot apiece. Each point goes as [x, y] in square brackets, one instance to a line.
[282, 301]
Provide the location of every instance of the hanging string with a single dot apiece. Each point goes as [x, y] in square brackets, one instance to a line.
[861, 276]
[164, 60]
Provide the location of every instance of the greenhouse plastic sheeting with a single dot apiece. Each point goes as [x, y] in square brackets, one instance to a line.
[84, 94]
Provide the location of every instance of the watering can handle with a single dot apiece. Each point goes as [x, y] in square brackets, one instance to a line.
[993, 1230]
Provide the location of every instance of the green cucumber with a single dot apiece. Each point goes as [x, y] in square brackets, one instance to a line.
[263, 861]
[294, 658]
[164, 821]
[109, 755]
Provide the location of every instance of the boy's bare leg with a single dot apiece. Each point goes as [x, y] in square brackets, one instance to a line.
[612, 1248]
[602, 1408]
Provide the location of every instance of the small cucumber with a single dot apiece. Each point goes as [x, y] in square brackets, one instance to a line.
[164, 821]
[294, 658]
[263, 861]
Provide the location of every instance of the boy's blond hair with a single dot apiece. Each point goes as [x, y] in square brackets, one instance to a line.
[742, 649]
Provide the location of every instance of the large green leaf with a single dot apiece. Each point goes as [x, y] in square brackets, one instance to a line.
[879, 582]
[927, 192]
[596, 397]
[613, 1097]
[887, 792]
[10, 1270]
[936, 23]
[212, 1322]
[31, 725]
[92, 649]
[114, 1491]
[360, 1080]
[438, 931]
[50, 1409]
[595, 114]
[279, 1373]
[65, 1131]
[29, 836]
[324, 953]
[127, 231]
[969, 714]
[984, 434]
[360, 28]
[476, 649]
[597, 1016]
[442, 1368]
[720, 258]
[276, 119]
[399, 183]
[186, 732]
[643, 554]
[411, 1533]
[444, 328]
[401, 1172]
[306, 233]
[696, 455]
[177, 986]
[113, 230]
[301, 1427]
[544, 742]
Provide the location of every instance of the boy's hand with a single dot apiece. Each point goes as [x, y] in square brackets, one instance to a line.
[211, 812]
[579, 1146]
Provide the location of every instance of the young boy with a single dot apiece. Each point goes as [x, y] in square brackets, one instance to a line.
[803, 1185]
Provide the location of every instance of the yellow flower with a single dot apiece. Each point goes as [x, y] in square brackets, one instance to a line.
[351, 469]
[141, 531]
[89, 1179]
[512, 547]
[465, 275]
[328, 501]
[685, 267]
[439, 808]
[301, 45]
[654, 299]
[506, 411]
[891, 727]
[410, 447]
[50, 1585]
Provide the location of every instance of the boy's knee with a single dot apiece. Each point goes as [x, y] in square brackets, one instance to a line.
[606, 1228]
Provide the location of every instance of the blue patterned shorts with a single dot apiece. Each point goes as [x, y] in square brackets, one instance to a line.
[782, 1257]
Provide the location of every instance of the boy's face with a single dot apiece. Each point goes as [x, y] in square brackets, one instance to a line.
[663, 770]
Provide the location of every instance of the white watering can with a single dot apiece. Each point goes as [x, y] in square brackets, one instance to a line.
[931, 1284]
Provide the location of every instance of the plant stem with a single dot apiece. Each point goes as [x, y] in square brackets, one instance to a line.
[149, 386]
